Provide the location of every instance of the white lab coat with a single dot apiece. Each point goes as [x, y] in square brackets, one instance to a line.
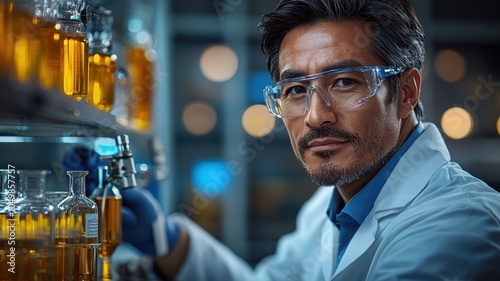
[431, 221]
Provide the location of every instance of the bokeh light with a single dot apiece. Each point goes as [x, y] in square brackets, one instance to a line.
[211, 177]
[218, 63]
[450, 66]
[457, 123]
[199, 118]
[257, 121]
[498, 125]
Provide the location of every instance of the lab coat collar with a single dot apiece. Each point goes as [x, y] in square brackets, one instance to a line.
[408, 179]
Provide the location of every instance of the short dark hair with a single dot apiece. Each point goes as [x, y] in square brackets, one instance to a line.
[397, 36]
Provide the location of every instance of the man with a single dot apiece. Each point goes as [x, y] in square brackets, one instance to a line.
[348, 75]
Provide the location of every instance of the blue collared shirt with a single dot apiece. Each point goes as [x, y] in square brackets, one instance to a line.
[348, 217]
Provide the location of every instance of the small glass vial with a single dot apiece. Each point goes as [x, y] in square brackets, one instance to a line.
[102, 63]
[74, 48]
[109, 202]
[77, 233]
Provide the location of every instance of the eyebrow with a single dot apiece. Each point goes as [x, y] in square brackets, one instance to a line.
[290, 73]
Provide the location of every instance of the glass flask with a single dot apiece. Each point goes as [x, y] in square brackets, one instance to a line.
[109, 202]
[30, 242]
[76, 233]
[74, 48]
[102, 63]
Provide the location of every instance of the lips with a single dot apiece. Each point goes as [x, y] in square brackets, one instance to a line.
[326, 144]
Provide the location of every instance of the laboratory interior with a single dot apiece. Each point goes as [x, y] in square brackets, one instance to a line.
[168, 96]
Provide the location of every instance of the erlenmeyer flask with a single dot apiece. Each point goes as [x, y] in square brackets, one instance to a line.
[77, 233]
[109, 202]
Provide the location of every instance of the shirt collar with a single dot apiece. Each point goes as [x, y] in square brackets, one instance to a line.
[362, 203]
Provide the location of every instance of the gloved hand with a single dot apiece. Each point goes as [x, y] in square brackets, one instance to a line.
[82, 158]
[144, 225]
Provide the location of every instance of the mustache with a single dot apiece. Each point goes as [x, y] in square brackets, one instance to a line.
[325, 132]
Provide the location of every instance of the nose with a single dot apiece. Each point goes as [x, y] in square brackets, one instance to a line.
[319, 108]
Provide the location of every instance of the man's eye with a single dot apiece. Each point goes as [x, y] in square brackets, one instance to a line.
[295, 91]
[344, 82]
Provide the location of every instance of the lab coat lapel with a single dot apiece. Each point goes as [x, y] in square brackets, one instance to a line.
[405, 183]
[361, 241]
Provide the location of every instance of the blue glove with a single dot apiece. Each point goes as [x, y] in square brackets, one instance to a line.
[144, 225]
[82, 158]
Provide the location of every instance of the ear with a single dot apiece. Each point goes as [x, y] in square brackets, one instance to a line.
[409, 92]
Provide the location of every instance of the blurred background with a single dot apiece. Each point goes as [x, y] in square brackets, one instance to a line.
[219, 158]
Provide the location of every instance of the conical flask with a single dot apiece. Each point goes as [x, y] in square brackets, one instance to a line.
[77, 233]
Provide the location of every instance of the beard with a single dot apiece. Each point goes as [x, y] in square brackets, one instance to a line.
[368, 155]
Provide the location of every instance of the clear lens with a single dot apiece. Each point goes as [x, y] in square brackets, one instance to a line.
[338, 88]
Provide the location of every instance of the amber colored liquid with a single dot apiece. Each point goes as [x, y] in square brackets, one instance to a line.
[49, 61]
[76, 255]
[6, 47]
[75, 65]
[75, 262]
[26, 46]
[111, 222]
[101, 93]
[142, 79]
[30, 249]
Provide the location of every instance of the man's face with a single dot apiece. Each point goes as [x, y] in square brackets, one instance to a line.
[338, 147]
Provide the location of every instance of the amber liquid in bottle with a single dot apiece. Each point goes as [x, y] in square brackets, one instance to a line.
[142, 77]
[75, 254]
[111, 225]
[75, 68]
[49, 65]
[6, 48]
[28, 255]
[26, 47]
[101, 93]
[77, 234]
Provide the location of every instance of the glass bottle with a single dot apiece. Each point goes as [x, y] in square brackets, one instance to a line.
[140, 58]
[77, 233]
[102, 63]
[22, 41]
[8, 183]
[6, 48]
[37, 216]
[31, 230]
[30, 45]
[48, 72]
[109, 202]
[74, 48]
